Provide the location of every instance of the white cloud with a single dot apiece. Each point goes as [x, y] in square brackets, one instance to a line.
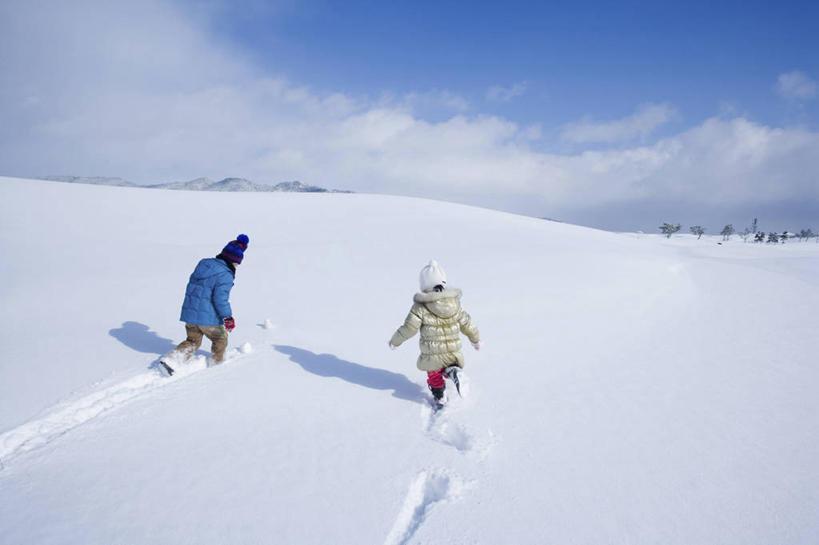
[718, 162]
[796, 86]
[497, 93]
[641, 123]
[182, 107]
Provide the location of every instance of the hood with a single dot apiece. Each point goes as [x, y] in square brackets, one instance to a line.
[444, 304]
[210, 267]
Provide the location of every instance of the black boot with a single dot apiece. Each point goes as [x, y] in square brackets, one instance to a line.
[438, 394]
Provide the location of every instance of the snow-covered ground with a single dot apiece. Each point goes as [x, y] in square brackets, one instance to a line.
[631, 388]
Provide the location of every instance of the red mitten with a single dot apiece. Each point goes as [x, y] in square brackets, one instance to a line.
[229, 323]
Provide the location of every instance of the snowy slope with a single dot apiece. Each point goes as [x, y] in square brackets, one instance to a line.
[632, 389]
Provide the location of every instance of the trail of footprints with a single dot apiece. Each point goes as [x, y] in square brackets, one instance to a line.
[64, 418]
[434, 486]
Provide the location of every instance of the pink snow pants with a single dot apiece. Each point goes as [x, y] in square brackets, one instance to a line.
[435, 379]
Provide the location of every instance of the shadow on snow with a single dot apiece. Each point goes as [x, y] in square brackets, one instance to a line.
[328, 365]
[139, 337]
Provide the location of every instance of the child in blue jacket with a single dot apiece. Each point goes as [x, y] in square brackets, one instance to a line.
[206, 310]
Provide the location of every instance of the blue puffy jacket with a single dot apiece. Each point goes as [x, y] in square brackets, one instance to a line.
[208, 292]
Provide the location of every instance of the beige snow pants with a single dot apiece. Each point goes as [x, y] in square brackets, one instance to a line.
[217, 335]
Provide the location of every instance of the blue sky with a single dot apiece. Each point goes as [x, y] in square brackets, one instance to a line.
[616, 115]
[574, 58]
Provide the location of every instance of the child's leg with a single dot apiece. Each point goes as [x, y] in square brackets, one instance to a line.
[189, 346]
[435, 379]
[219, 341]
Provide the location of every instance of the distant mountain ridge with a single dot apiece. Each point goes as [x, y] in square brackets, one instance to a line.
[201, 184]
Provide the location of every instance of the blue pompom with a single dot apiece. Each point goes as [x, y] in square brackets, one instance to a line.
[243, 239]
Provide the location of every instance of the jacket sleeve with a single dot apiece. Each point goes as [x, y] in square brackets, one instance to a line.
[467, 327]
[221, 297]
[411, 325]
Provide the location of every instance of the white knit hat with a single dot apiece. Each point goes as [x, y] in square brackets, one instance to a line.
[432, 275]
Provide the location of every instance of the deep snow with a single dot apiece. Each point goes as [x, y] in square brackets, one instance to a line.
[631, 389]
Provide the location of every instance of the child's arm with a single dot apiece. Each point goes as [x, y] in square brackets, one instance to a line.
[468, 328]
[410, 327]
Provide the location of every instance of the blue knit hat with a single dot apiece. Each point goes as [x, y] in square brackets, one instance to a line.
[235, 249]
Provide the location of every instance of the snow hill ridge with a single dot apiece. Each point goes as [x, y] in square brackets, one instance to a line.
[201, 184]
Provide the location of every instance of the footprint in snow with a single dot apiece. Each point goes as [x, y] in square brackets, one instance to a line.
[445, 426]
[426, 490]
[442, 428]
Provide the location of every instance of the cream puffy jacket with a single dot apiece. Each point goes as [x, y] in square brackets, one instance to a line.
[441, 319]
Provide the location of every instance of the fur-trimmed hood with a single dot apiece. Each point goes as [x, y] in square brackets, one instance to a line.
[444, 304]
